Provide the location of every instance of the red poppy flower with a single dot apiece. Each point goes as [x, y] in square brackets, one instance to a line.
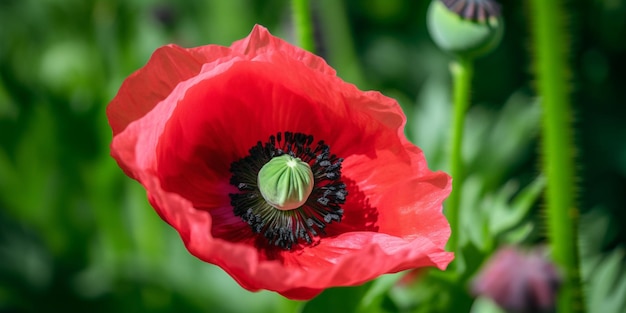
[352, 200]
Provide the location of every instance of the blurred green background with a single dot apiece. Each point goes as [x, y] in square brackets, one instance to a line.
[77, 235]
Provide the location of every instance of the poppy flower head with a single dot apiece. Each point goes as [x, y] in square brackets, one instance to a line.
[273, 168]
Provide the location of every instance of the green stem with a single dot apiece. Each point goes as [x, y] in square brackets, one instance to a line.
[303, 24]
[462, 71]
[339, 43]
[551, 69]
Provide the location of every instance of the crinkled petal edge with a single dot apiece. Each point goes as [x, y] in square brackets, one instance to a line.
[366, 253]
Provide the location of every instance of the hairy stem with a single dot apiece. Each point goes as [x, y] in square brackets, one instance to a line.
[303, 24]
[551, 68]
[462, 71]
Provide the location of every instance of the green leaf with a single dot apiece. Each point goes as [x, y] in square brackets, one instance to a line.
[498, 143]
[431, 291]
[340, 299]
[606, 291]
[509, 216]
[475, 220]
[373, 298]
[485, 305]
[470, 260]
[432, 111]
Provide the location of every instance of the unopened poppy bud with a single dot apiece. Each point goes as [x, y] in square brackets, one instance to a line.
[519, 281]
[285, 182]
[468, 28]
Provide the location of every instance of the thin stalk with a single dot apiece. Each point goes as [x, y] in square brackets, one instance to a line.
[338, 42]
[551, 68]
[303, 24]
[462, 71]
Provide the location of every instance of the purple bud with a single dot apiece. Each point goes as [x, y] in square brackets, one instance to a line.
[519, 281]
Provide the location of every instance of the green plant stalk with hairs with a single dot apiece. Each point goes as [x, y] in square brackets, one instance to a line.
[551, 68]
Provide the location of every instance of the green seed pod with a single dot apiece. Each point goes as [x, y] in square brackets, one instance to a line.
[285, 182]
[467, 28]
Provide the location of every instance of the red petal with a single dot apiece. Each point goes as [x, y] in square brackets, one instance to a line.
[260, 45]
[303, 274]
[142, 90]
[407, 205]
[244, 103]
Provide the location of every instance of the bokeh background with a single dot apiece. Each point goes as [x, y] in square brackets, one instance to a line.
[77, 235]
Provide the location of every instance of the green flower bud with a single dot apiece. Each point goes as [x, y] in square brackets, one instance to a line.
[285, 182]
[468, 28]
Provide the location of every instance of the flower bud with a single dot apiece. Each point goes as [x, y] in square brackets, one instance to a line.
[467, 28]
[285, 182]
[519, 281]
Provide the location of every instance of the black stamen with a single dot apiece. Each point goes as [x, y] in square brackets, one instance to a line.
[289, 228]
[476, 10]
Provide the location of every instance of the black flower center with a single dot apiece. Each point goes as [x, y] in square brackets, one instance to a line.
[290, 226]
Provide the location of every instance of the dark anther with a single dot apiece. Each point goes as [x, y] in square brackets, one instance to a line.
[286, 229]
[476, 10]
